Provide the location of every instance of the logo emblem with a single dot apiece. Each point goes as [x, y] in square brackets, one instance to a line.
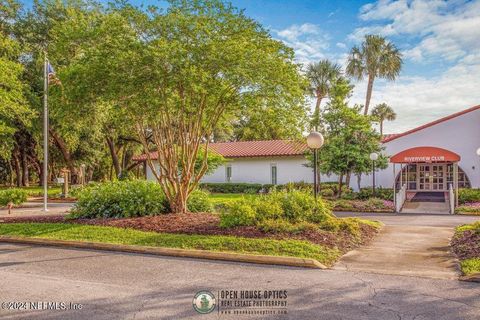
[204, 302]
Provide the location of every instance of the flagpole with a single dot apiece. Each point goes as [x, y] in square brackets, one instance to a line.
[45, 133]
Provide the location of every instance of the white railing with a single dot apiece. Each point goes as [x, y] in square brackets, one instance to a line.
[451, 198]
[400, 198]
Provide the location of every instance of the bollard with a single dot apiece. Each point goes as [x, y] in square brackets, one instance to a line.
[10, 206]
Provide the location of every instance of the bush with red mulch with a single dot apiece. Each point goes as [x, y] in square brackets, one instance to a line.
[208, 224]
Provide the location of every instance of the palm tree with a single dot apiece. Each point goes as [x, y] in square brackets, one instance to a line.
[383, 112]
[375, 58]
[322, 76]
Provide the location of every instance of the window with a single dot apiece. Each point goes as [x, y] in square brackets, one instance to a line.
[273, 170]
[228, 173]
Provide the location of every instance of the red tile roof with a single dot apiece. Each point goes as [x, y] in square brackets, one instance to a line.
[250, 149]
[390, 137]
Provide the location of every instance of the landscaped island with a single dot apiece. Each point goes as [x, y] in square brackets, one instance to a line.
[280, 223]
[466, 245]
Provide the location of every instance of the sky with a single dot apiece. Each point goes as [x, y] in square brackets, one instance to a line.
[439, 40]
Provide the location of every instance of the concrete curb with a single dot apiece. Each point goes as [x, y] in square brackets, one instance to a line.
[471, 278]
[185, 253]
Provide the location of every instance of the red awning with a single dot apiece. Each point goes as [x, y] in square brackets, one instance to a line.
[425, 155]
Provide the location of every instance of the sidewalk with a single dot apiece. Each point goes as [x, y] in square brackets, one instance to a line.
[36, 209]
[406, 250]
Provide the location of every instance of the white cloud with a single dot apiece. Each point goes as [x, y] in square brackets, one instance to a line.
[447, 29]
[308, 40]
[341, 45]
[418, 100]
[443, 33]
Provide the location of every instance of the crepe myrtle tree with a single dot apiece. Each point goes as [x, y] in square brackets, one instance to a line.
[192, 66]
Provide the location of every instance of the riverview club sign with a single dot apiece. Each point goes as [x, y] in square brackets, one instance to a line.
[425, 155]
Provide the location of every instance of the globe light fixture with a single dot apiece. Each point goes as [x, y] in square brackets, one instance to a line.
[478, 152]
[315, 141]
[373, 156]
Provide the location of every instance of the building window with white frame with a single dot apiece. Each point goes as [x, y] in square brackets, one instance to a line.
[228, 173]
[273, 171]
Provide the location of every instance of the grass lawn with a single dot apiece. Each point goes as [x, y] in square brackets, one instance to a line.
[77, 232]
[37, 191]
[466, 245]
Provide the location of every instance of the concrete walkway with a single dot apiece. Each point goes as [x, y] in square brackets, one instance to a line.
[409, 245]
[36, 209]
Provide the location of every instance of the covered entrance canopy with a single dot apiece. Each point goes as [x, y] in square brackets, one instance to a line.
[429, 170]
[425, 155]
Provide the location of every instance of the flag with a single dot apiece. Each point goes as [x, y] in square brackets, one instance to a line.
[52, 77]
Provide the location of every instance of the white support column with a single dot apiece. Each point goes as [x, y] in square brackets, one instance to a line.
[394, 187]
[401, 175]
[455, 182]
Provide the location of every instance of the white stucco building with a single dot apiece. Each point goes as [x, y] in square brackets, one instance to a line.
[428, 157]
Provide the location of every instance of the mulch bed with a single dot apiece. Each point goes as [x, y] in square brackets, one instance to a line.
[466, 244]
[208, 224]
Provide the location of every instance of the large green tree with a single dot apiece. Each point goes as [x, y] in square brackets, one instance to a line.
[383, 112]
[15, 113]
[176, 75]
[349, 137]
[375, 58]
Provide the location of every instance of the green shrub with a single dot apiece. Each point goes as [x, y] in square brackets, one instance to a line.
[468, 195]
[199, 201]
[350, 225]
[238, 213]
[374, 203]
[343, 204]
[297, 206]
[382, 193]
[232, 187]
[16, 196]
[289, 206]
[126, 175]
[327, 192]
[282, 226]
[120, 199]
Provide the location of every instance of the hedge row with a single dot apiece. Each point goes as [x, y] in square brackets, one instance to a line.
[14, 195]
[327, 189]
[468, 195]
[134, 198]
[252, 188]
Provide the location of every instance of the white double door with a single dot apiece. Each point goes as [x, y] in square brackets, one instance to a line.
[432, 177]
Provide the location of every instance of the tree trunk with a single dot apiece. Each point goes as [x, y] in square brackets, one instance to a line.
[340, 185]
[316, 114]
[113, 154]
[65, 153]
[369, 93]
[179, 204]
[10, 168]
[347, 179]
[16, 163]
[25, 173]
[381, 128]
[359, 181]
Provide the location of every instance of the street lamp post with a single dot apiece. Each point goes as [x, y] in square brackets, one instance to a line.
[315, 142]
[373, 157]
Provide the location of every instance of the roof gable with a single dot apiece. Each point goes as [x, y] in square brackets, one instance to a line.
[390, 137]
